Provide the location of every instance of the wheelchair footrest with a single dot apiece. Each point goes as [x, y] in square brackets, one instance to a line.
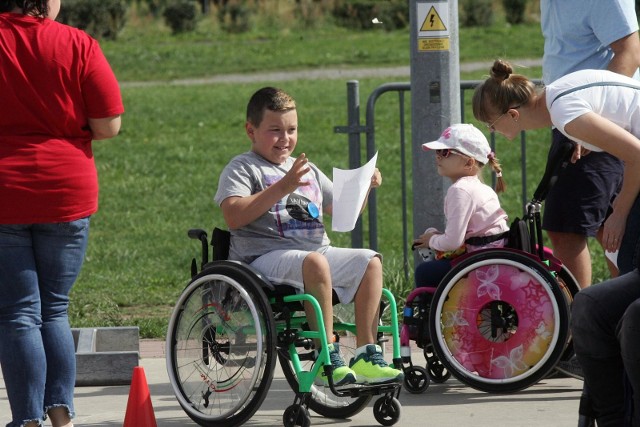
[356, 390]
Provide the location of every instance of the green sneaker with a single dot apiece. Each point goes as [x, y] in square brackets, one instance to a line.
[371, 368]
[342, 374]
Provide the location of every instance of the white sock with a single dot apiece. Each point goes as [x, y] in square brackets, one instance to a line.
[361, 350]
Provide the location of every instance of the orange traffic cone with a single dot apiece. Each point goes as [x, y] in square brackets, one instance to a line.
[139, 408]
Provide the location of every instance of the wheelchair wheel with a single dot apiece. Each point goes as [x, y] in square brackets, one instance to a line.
[499, 321]
[386, 410]
[416, 379]
[437, 371]
[221, 346]
[322, 400]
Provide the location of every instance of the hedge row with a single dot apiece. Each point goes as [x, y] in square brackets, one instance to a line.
[105, 18]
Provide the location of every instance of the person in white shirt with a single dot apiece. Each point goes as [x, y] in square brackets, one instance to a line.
[581, 35]
[597, 110]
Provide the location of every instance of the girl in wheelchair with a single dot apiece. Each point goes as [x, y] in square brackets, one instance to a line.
[474, 222]
[474, 218]
[498, 316]
[273, 205]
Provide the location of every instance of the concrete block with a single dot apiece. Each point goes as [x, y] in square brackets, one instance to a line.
[124, 338]
[106, 356]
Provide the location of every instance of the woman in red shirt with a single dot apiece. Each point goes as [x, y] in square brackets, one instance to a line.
[57, 94]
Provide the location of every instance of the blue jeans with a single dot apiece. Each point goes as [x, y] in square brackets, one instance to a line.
[605, 325]
[39, 264]
[429, 274]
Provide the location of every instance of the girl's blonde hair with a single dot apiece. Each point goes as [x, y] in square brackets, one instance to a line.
[500, 92]
[501, 185]
[494, 164]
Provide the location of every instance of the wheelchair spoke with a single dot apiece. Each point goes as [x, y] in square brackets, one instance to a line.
[223, 348]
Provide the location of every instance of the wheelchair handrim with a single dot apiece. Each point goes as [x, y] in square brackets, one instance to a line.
[173, 375]
[459, 367]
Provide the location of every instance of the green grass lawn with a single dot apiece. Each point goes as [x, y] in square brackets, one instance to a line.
[158, 177]
[148, 51]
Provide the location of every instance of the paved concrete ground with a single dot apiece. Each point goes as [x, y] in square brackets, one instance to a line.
[551, 403]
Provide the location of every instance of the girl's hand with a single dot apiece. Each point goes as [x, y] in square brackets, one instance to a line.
[422, 241]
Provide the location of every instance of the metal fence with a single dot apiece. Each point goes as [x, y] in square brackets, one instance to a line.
[354, 129]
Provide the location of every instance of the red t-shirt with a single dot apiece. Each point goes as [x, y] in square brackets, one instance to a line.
[52, 79]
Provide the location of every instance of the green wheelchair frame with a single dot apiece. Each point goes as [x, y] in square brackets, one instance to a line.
[221, 377]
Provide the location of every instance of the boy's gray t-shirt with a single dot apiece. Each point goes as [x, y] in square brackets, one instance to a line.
[289, 224]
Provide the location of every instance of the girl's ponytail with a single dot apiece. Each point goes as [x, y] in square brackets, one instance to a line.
[501, 185]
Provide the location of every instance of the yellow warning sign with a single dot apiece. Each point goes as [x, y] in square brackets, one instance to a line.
[433, 22]
[430, 44]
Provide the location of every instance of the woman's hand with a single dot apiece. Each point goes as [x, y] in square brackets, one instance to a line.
[613, 231]
[579, 152]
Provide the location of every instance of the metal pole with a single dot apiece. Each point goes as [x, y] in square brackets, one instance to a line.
[435, 101]
[353, 122]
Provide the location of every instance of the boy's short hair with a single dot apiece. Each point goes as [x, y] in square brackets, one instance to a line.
[268, 98]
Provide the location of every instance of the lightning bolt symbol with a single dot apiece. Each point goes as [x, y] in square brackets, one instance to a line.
[431, 18]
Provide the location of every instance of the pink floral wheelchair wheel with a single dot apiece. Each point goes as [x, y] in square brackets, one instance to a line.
[499, 321]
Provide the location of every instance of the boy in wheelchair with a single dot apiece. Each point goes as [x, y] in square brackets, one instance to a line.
[273, 205]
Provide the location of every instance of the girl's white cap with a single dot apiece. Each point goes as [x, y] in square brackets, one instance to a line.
[464, 138]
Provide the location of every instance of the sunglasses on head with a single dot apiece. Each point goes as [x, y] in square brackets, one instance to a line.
[446, 152]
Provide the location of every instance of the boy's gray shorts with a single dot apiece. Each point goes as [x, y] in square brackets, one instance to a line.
[347, 265]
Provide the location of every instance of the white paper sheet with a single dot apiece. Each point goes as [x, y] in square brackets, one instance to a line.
[612, 256]
[350, 187]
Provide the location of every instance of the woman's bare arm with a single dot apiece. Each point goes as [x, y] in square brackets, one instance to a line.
[105, 128]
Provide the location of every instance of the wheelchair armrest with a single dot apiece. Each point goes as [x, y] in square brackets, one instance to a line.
[199, 234]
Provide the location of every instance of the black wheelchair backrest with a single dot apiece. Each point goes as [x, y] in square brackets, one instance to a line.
[220, 241]
[519, 236]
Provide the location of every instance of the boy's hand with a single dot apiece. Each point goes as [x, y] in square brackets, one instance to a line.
[240, 211]
[376, 179]
[293, 178]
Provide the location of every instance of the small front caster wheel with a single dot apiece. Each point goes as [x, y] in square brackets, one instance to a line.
[386, 410]
[296, 415]
[416, 379]
[437, 372]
